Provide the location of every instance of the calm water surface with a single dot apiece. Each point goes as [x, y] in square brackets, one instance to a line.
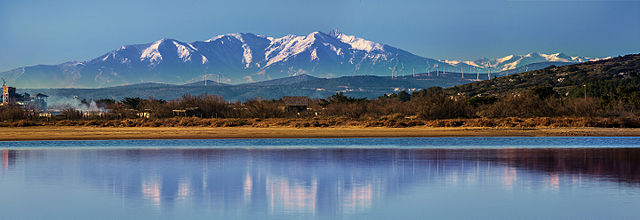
[380, 178]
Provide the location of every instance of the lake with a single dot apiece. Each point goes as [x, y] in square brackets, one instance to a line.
[366, 178]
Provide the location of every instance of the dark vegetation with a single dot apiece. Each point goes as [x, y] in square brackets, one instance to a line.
[554, 96]
[355, 86]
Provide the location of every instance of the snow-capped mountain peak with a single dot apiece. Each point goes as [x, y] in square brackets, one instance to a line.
[155, 52]
[152, 53]
[238, 36]
[513, 61]
[283, 48]
[356, 42]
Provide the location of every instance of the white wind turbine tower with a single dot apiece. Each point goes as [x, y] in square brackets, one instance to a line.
[414, 73]
[462, 71]
[428, 68]
[206, 72]
[403, 70]
[437, 74]
[477, 74]
[393, 71]
[356, 69]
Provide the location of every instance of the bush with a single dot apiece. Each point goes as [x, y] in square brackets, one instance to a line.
[11, 113]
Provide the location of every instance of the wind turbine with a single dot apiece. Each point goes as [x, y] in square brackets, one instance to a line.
[462, 71]
[393, 71]
[206, 71]
[428, 68]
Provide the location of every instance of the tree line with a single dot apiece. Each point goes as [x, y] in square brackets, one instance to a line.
[620, 101]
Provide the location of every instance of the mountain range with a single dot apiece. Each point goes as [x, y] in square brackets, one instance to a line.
[245, 58]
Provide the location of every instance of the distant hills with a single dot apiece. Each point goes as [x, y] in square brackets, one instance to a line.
[300, 85]
[246, 58]
[610, 79]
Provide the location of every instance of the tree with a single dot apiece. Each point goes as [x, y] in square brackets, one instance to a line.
[543, 92]
[404, 96]
[341, 98]
[131, 103]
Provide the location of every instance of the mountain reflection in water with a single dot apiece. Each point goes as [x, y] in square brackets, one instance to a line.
[314, 182]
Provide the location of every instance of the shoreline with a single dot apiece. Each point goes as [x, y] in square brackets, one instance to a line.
[42, 133]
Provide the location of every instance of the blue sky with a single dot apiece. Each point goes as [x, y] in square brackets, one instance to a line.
[51, 32]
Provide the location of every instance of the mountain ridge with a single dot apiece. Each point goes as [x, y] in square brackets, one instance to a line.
[246, 57]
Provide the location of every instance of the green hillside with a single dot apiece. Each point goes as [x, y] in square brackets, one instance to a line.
[612, 79]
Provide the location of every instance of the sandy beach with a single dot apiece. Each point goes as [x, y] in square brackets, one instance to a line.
[110, 133]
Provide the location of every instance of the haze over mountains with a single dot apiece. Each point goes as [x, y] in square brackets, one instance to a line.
[300, 85]
[245, 57]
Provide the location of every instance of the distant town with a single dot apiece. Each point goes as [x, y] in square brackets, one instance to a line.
[34, 104]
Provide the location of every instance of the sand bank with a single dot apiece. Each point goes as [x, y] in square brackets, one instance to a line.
[109, 133]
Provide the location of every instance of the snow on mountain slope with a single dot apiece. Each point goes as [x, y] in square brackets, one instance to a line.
[511, 62]
[356, 42]
[246, 57]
